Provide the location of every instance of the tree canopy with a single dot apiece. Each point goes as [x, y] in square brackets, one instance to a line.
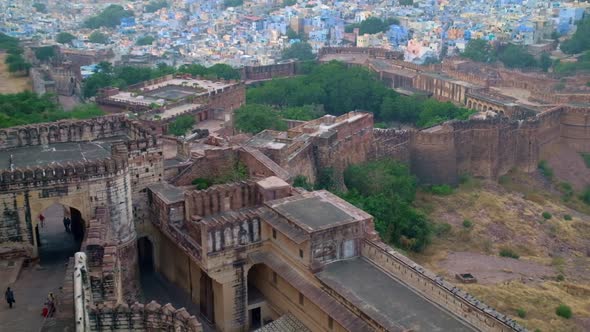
[233, 3]
[64, 38]
[181, 125]
[98, 37]
[44, 53]
[386, 190]
[514, 56]
[155, 5]
[340, 90]
[580, 41]
[40, 7]
[145, 40]
[253, 118]
[110, 17]
[479, 50]
[300, 51]
[372, 25]
[28, 107]
[15, 60]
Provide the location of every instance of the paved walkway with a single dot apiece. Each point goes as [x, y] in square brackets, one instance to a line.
[156, 288]
[34, 283]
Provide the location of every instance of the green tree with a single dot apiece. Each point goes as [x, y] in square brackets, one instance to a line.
[372, 25]
[40, 7]
[545, 61]
[514, 56]
[181, 125]
[254, 118]
[44, 53]
[300, 51]
[145, 40]
[98, 37]
[580, 41]
[224, 71]
[64, 38]
[155, 5]
[386, 189]
[233, 3]
[110, 17]
[479, 50]
[406, 2]
[302, 113]
[287, 3]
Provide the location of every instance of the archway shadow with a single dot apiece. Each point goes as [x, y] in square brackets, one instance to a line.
[56, 243]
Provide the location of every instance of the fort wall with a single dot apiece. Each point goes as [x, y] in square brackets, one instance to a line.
[435, 289]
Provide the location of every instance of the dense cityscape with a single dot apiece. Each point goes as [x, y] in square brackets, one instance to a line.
[295, 165]
[256, 32]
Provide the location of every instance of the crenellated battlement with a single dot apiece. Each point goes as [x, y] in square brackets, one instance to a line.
[62, 173]
[138, 317]
[65, 131]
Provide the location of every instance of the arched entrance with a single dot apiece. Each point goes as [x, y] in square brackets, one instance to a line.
[145, 252]
[59, 232]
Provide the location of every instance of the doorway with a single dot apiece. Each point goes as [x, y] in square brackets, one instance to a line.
[145, 252]
[59, 233]
[255, 318]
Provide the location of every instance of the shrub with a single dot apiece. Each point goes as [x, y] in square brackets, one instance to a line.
[507, 252]
[521, 312]
[441, 190]
[301, 181]
[586, 156]
[546, 215]
[442, 229]
[467, 223]
[586, 195]
[560, 277]
[202, 183]
[545, 169]
[567, 217]
[567, 190]
[563, 311]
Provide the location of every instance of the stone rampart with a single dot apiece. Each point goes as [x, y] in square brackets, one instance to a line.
[392, 143]
[437, 290]
[139, 317]
[63, 131]
[371, 51]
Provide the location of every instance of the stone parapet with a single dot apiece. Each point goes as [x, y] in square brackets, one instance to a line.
[437, 290]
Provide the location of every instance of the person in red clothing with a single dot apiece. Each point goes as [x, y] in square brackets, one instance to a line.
[42, 219]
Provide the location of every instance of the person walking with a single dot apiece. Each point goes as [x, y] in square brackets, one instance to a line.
[9, 296]
[50, 304]
[42, 219]
[67, 223]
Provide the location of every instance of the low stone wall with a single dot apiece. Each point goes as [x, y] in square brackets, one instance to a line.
[139, 317]
[435, 289]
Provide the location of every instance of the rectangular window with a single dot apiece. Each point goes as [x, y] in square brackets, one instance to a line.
[330, 323]
[300, 299]
[274, 278]
[274, 234]
[301, 253]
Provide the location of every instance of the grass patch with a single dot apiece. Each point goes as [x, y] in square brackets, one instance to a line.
[508, 252]
[441, 190]
[564, 311]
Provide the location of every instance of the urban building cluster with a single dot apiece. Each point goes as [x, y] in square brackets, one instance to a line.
[256, 32]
